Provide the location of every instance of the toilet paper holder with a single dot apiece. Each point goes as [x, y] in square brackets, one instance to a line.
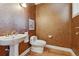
[50, 36]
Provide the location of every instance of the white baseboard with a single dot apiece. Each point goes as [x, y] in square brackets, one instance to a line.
[61, 48]
[25, 52]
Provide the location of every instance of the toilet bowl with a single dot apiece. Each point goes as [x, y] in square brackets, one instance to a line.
[37, 45]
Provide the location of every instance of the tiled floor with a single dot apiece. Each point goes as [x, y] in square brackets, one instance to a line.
[50, 52]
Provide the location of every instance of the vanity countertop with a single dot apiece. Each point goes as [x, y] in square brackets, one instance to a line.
[12, 39]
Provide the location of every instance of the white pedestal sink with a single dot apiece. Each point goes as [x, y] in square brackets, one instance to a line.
[13, 41]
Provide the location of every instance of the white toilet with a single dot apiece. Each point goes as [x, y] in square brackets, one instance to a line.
[37, 45]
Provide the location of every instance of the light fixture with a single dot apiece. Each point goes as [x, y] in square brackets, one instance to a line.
[23, 5]
[37, 3]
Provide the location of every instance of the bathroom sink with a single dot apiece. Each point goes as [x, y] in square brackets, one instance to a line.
[12, 39]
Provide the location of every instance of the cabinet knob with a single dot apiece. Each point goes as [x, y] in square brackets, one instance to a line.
[77, 33]
[6, 49]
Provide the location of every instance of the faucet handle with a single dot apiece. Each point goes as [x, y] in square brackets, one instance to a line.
[13, 32]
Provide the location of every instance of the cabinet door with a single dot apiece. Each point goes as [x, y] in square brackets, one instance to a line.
[4, 52]
[75, 32]
[23, 46]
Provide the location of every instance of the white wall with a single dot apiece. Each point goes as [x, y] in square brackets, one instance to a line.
[12, 15]
[75, 9]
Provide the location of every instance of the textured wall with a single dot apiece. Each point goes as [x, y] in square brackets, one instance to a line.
[12, 17]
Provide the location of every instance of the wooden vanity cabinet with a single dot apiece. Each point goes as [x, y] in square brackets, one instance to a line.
[3, 51]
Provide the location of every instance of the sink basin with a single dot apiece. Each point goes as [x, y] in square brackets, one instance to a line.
[12, 39]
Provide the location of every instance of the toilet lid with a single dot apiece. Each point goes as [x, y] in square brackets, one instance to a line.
[40, 42]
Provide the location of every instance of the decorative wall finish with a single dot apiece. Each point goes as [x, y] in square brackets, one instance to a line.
[12, 17]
